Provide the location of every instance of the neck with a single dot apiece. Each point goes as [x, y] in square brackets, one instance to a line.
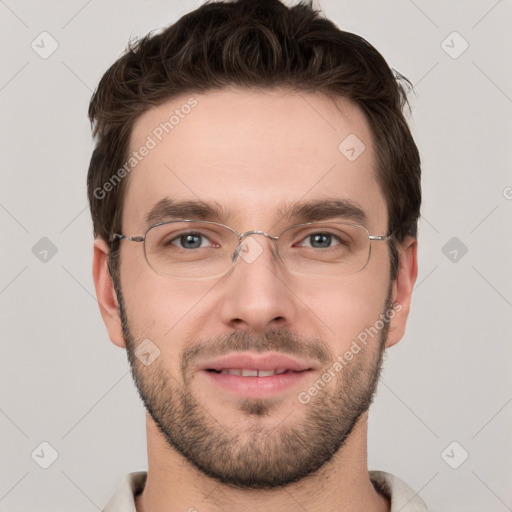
[173, 484]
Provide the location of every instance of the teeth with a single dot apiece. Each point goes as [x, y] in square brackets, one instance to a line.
[266, 373]
[252, 373]
[249, 373]
[232, 372]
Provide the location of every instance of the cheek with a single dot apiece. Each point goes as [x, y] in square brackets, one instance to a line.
[156, 304]
[345, 311]
[161, 310]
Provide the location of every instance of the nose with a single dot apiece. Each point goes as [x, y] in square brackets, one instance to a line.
[256, 294]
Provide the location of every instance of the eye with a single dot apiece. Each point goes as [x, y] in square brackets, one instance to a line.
[322, 240]
[190, 240]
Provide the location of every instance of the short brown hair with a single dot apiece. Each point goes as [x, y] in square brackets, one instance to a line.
[261, 44]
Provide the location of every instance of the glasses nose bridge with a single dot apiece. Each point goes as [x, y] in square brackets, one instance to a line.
[242, 236]
[255, 232]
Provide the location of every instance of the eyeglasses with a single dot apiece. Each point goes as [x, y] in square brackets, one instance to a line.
[190, 249]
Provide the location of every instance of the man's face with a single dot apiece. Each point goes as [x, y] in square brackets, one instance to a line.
[252, 154]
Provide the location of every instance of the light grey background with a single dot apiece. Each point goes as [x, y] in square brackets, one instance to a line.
[449, 379]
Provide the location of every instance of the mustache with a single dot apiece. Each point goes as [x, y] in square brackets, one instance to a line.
[276, 340]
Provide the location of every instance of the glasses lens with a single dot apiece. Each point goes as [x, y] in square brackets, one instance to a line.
[325, 249]
[190, 249]
[196, 250]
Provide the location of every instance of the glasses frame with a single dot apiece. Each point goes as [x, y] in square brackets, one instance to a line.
[141, 239]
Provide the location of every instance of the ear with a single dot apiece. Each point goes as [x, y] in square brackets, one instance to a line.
[106, 294]
[402, 289]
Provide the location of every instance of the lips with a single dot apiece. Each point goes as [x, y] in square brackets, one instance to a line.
[250, 365]
[253, 375]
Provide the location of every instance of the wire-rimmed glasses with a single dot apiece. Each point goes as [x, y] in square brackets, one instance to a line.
[192, 249]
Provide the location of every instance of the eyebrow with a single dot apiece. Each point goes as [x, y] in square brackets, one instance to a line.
[298, 212]
[170, 209]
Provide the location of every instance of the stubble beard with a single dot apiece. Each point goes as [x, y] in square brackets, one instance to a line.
[260, 456]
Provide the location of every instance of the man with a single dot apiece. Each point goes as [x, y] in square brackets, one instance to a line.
[255, 192]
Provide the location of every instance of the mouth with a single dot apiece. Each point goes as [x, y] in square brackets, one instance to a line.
[256, 375]
[247, 363]
[250, 372]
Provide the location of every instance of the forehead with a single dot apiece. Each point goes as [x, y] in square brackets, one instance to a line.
[253, 154]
